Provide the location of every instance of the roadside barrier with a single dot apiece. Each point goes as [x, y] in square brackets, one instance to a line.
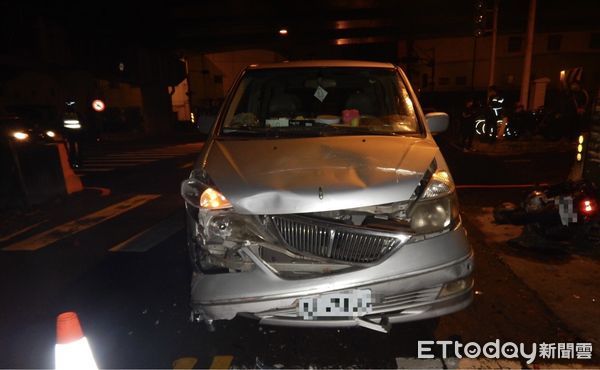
[36, 173]
[72, 181]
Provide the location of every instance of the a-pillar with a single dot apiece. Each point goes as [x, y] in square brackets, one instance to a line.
[157, 109]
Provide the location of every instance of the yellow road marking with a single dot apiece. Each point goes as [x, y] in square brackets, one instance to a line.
[8, 237]
[121, 245]
[185, 363]
[72, 227]
[221, 362]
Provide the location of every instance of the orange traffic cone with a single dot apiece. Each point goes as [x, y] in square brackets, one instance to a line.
[72, 349]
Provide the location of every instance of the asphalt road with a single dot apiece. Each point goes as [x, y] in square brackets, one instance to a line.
[116, 255]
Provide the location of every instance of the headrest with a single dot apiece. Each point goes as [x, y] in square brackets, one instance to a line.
[284, 105]
[362, 102]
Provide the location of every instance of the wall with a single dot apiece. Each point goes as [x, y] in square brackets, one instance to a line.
[454, 59]
[119, 95]
[210, 77]
[181, 102]
[232, 63]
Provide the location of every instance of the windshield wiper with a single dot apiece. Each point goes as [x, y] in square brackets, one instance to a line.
[325, 130]
[242, 130]
[348, 130]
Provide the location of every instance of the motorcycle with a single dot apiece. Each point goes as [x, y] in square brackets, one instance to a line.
[482, 128]
[556, 213]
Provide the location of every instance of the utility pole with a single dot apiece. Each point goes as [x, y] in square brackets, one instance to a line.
[528, 55]
[494, 38]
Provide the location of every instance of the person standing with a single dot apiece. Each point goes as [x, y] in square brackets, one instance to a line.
[494, 112]
[578, 101]
[467, 124]
[72, 130]
[520, 121]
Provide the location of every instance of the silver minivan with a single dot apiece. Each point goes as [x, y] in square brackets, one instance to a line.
[321, 199]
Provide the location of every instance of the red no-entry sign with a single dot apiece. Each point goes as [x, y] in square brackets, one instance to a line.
[98, 105]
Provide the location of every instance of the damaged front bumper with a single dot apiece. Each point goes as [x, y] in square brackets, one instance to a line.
[420, 279]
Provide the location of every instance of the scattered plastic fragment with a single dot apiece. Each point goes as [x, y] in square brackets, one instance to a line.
[145, 311]
[278, 366]
[576, 296]
[157, 322]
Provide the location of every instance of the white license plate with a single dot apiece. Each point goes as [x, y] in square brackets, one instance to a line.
[566, 210]
[353, 303]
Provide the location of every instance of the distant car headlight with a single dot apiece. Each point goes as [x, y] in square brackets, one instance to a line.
[50, 133]
[20, 135]
[437, 209]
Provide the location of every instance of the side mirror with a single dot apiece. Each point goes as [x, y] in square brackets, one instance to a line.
[437, 122]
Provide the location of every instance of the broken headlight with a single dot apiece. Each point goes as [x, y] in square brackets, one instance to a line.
[437, 208]
[219, 227]
[199, 192]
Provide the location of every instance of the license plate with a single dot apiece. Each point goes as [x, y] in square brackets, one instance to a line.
[566, 210]
[352, 303]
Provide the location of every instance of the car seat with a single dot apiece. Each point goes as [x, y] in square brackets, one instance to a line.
[283, 104]
[362, 102]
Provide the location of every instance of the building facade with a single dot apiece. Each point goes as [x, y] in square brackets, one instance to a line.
[463, 63]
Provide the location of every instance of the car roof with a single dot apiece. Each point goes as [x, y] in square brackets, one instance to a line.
[322, 63]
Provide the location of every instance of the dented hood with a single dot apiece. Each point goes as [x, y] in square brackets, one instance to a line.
[317, 174]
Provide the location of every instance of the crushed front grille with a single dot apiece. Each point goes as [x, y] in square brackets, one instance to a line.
[334, 241]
